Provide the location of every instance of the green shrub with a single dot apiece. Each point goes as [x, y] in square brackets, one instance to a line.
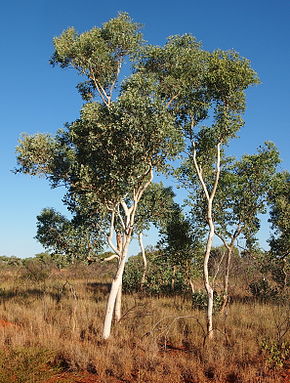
[162, 277]
[200, 301]
[278, 353]
[263, 291]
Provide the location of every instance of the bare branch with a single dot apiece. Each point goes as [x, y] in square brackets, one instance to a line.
[171, 100]
[113, 256]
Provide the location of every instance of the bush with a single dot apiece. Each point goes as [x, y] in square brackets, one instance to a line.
[262, 290]
[277, 352]
[200, 300]
[162, 278]
[36, 271]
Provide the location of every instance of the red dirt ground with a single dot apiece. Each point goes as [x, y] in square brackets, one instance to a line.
[68, 377]
[4, 323]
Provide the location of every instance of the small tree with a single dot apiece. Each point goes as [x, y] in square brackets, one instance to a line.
[240, 199]
[106, 158]
[279, 201]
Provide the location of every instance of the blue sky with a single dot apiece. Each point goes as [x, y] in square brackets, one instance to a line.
[35, 97]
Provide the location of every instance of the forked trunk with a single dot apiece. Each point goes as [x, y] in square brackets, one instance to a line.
[115, 288]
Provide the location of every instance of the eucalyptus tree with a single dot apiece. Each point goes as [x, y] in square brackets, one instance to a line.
[205, 90]
[125, 131]
[279, 202]
[239, 200]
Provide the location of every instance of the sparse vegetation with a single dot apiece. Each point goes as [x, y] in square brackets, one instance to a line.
[59, 330]
[184, 311]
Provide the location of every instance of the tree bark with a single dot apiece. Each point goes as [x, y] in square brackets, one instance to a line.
[115, 287]
[209, 197]
[173, 278]
[207, 284]
[118, 303]
[143, 279]
[227, 277]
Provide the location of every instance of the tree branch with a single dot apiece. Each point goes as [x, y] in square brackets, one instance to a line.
[218, 170]
[110, 236]
[199, 171]
[113, 256]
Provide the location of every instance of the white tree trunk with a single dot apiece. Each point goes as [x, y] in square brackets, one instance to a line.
[140, 239]
[227, 277]
[209, 198]
[115, 287]
[191, 285]
[118, 304]
[207, 284]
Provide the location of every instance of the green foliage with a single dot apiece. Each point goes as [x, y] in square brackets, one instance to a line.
[241, 195]
[157, 206]
[277, 353]
[162, 278]
[200, 301]
[132, 275]
[10, 261]
[279, 201]
[262, 290]
[70, 241]
[98, 53]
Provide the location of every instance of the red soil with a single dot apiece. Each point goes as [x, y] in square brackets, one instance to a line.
[68, 377]
[4, 323]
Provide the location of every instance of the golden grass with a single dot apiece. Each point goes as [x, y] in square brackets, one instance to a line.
[157, 340]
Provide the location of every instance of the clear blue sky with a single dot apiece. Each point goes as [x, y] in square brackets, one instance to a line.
[35, 97]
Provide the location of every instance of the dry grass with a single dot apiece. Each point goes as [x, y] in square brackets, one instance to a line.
[57, 326]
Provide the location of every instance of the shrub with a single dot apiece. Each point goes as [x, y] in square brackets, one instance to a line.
[200, 300]
[162, 278]
[262, 290]
[36, 271]
[277, 352]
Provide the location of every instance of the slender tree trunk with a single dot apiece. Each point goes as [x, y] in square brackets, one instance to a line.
[207, 284]
[173, 278]
[209, 198]
[143, 279]
[191, 285]
[227, 277]
[118, 303]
